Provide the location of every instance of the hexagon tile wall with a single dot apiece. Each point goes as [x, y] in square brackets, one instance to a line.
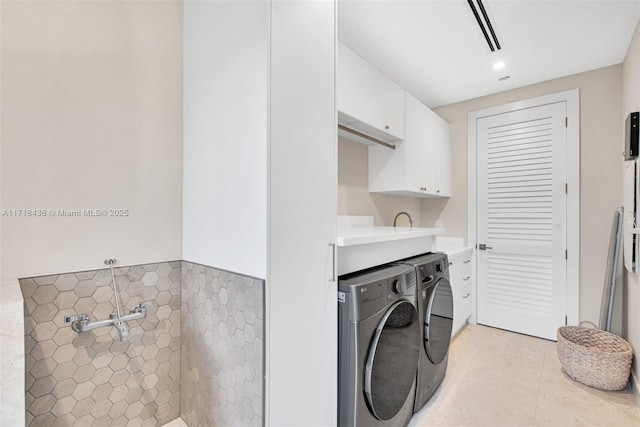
[91, 378]
[222, 348]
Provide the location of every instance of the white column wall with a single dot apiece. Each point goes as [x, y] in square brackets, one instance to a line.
[225, 135]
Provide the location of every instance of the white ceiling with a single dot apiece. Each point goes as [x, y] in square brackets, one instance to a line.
[436, 51]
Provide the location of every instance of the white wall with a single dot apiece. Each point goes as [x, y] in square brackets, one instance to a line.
[225, 135]
[91, 118]
[600, 171]
[353, 190]
[630, 103]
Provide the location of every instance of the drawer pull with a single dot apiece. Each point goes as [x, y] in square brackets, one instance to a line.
[450, 263]
[467, 278]
[466, 261]
[466, 295]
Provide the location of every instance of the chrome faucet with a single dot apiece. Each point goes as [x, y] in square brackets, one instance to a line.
[403, 213]
[81, 323]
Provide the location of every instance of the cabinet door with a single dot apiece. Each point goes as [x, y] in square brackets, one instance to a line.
[420, 165]
[368, 100]
[442, 156]
[301, 308]
[439, 155]
[384, 103]
[419, 170]
[349, 87]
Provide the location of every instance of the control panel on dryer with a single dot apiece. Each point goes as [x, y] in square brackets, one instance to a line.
[442, 267]
[394, 286]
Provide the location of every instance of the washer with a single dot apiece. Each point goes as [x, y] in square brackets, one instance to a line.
[378, 347]
[435, 311]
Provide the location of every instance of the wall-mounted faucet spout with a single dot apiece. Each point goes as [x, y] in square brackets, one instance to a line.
[81, 323]
[123, 330]
[403, 213]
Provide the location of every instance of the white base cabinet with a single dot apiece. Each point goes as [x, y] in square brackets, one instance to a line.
[460, 276]
[420, 166]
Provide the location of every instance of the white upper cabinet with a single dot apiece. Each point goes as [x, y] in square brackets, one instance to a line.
[421, 165]
[442, 154]
[368, 101]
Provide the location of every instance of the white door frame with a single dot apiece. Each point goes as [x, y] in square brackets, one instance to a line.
[572, 98]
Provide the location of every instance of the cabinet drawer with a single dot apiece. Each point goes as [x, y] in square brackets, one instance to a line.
[465, 265]
[465, 303]
[465, 276]
[459, 270]
[461, 308]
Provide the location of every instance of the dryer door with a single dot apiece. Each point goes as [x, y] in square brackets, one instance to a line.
[438, 321]
[392, 361]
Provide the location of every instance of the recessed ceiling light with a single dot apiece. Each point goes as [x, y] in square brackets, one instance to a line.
[498, 65]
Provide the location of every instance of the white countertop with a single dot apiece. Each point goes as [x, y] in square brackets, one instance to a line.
[351, 236]
[452, 246]
[454, 251]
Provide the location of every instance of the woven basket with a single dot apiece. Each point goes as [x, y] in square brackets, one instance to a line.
[594, 357]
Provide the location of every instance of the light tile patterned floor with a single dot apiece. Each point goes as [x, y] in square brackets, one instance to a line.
[499, 378]
[176, 423]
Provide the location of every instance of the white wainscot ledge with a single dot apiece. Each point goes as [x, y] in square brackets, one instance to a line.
[11, 354]
[365, 247]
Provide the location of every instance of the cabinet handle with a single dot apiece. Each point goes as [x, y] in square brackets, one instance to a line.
[333, 263]
[450, 263]
[466, 295]
[466, 261]
[467, 278]
[386, 127]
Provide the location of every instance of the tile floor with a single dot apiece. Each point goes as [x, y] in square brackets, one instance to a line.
[499, 378]
[176, 423]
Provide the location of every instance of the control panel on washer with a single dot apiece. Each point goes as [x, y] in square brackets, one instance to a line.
[370, 290]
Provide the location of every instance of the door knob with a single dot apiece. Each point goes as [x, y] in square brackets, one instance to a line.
[483, 247]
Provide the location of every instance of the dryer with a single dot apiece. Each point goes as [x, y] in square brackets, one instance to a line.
[378, 347]
[435, 311]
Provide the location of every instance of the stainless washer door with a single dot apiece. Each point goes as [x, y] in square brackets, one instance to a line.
[392, 361]
[438, 321]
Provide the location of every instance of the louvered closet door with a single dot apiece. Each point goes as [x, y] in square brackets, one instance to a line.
[522, 220]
